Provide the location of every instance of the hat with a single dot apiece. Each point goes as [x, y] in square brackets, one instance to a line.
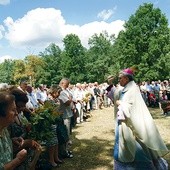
[128, 71]
[110, 77]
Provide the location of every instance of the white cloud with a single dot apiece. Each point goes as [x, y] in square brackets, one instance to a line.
[106, 14]
[4, 2]
[86, 31]
[5, 57]
[37, 27]
[40, 27]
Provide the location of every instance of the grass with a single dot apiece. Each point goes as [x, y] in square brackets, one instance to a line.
[93, 140]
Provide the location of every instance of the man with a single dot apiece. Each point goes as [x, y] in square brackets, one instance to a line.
[65, 98]
[113, 92]
[32, 101]
[97, 94]
[41, 94]
[138, 144]
[23, 86]
[78, 94]
[110, 89]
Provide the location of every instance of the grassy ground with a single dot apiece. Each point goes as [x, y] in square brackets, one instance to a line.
[93, 140]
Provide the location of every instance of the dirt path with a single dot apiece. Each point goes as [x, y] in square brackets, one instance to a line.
[93, 140]
[93, 143]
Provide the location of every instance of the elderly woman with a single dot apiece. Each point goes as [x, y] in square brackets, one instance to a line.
[138, 144]
[19, 128]
[8, 112]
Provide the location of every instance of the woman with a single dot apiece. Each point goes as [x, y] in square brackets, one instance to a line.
[138, 143]
[8, 112]
[18, 130]
[19, 127]
[53, 143]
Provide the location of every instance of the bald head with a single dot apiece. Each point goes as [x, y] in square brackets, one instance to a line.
[64, 83]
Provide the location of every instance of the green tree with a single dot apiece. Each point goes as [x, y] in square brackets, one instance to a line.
[50, 73]
[100, 57]
[6, 71]
[19, 70]
[32, 65]
[145, 43]
[73, 59]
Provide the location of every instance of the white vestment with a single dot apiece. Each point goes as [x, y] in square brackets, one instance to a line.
[137, 126]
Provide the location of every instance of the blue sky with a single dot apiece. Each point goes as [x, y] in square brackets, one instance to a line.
[28, 26]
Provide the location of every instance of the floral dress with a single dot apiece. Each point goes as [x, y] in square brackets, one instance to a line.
[6, 152]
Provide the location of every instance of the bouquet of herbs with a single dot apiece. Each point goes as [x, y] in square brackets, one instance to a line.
[42, 119]
[87, 97]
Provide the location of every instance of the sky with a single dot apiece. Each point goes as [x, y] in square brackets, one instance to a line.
[27, 27]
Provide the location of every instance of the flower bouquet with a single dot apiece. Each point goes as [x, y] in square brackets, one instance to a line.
[87, 97]
[42, 119]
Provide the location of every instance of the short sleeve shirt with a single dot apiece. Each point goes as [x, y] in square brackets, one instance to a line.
[64, 97]
[42, 95]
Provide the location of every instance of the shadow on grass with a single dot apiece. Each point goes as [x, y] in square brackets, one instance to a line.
[94, 153]
[156, 113]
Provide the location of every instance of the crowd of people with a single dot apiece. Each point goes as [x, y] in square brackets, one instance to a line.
[156, 94]
[18, 104]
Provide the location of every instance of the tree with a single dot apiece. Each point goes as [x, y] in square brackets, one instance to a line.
[99, 56]
[145, 43]
[19, 70]
[73, 59]
[32, 66]
[6, 71]
[50, 73]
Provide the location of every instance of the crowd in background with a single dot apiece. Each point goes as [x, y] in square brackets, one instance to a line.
[76, 103]
[156, 94]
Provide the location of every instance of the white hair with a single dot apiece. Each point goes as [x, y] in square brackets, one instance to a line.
[3, 86]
